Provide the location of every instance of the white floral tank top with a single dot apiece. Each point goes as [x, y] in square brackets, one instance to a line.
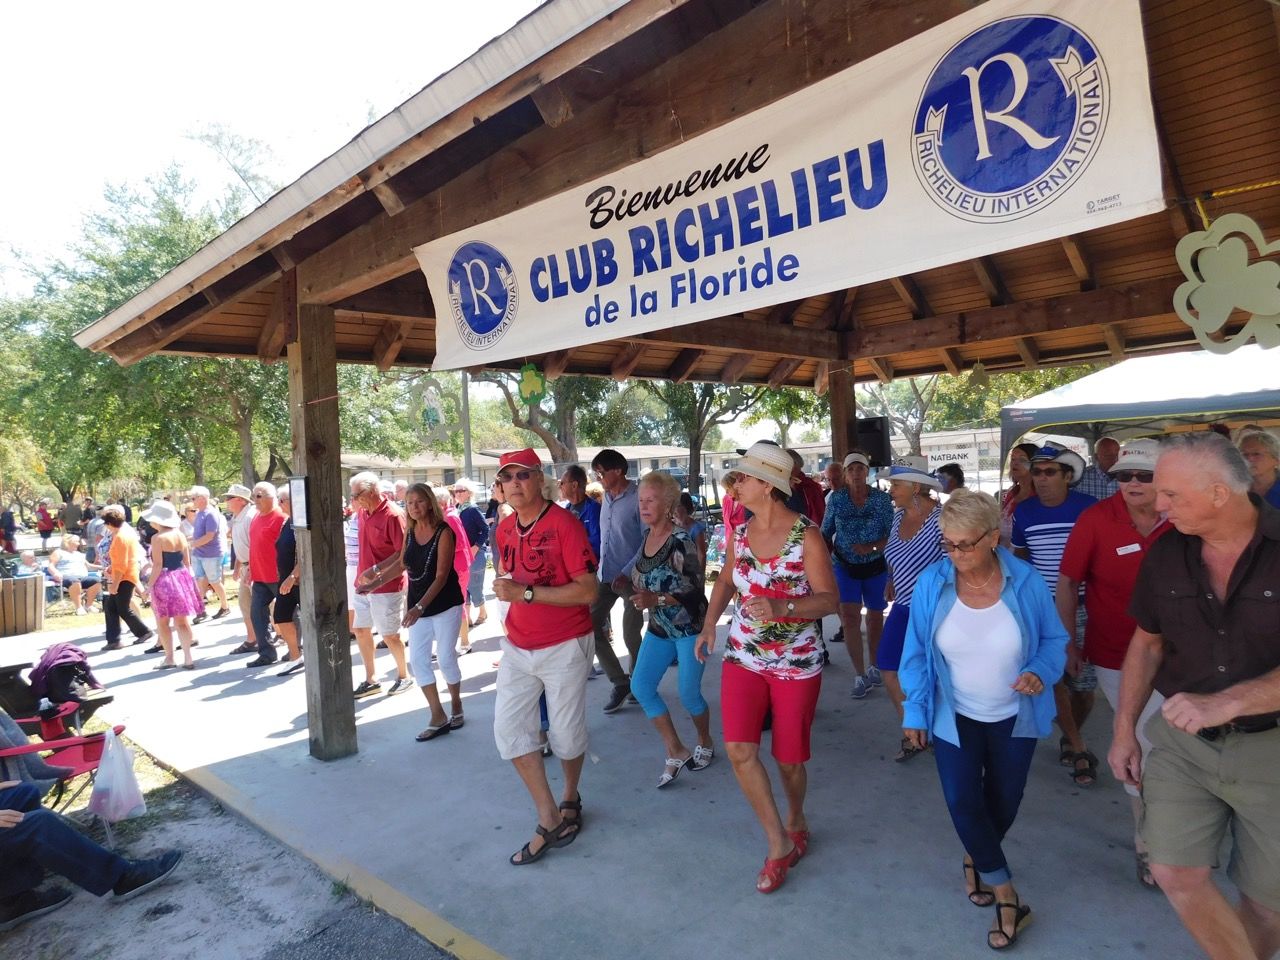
[789, 649]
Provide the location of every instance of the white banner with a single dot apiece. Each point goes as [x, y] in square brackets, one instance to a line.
[963, 455]
[1014, 123]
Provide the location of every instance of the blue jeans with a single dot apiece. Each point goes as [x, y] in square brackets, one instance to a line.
[656, 655]
[982, 781]
[264, 595]
[44, 841]
[475, 579]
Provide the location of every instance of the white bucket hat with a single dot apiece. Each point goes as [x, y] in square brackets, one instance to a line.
[911, 469]
[162, 514]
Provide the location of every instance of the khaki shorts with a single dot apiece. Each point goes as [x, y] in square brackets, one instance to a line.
[524, 675]
[1194, 790]
[384, 612]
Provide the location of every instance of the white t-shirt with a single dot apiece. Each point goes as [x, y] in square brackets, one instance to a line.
[983, 649]
[240, 533]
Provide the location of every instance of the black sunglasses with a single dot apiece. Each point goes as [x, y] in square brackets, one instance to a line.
[1124, 476]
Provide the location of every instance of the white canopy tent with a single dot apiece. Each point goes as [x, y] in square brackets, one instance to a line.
[1149, 396]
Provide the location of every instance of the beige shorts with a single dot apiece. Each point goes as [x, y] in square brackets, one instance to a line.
[1109, 684]
[1195, 790]
[524, 675]
[384, 612]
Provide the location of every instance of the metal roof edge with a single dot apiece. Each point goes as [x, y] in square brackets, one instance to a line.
[536, 35]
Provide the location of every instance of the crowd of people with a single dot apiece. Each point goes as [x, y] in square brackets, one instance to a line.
[1151, 574]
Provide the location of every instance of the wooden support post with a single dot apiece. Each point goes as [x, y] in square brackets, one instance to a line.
[313, 419]
[844, 411]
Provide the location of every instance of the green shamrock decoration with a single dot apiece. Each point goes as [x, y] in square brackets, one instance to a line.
[533, 385]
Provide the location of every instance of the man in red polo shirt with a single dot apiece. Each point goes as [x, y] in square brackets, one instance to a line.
[550, 581]
[264, 529]
[379, 600]
[1106, 547]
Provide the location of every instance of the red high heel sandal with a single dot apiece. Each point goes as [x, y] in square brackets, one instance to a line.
[774, 872]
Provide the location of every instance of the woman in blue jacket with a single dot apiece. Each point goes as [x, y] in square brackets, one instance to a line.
[983, 638]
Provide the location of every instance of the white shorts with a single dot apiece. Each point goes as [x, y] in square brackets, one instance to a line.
[351, 586]
[207, 568]
[441, 632]
[524, 675]
[1109, 684]
[384, 612]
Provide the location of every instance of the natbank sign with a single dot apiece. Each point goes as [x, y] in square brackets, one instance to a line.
[1014, 123]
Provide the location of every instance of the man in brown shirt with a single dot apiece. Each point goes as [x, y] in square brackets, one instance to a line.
[1207, 603]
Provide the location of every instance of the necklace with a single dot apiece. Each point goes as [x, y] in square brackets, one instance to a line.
[979, 586]
[522, 531]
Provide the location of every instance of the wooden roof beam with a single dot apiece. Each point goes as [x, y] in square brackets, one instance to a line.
[1029, 351]
[282, 256]
[405, 296]
[555, 364]
[1180, 218]
[1113, 334]
[683, 365]
[952, 360]
[912, 297]
[626, 360]
[782, 371]
[1081, 265]
[882, 367]
[783, 313]
[271, 338]
[735, 367]
[822, 377]
[391, 201]
[984, 268]
[738, 332]
[553, 104]
[386, 349]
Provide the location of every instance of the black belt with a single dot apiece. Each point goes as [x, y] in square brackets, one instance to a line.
[1256, 726]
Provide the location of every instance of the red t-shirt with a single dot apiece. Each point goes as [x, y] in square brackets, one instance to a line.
[382, 537]
[1104, 552]
[263, 531]
[550, 553]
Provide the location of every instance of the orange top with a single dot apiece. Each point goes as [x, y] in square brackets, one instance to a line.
[125, 556]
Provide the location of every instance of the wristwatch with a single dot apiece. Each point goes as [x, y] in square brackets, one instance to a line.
[528, 594]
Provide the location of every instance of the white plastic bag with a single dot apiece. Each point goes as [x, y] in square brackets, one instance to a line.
[116, 794]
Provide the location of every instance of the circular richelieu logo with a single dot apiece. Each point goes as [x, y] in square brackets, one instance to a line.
[483, 295]
[1010, 118]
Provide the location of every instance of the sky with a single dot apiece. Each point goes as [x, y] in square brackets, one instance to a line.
[98, 94]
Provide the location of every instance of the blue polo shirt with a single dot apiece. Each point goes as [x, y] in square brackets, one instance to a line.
[620, 532]
[588, 511]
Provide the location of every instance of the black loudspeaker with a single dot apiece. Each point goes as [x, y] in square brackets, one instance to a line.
[873, 437]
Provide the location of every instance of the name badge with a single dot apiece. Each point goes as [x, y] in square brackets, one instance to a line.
[1128, 548]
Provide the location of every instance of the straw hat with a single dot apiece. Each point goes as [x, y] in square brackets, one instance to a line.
[768, 462]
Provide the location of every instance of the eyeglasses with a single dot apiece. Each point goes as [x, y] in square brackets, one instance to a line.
[521, 475]
[732, 477]
[1045, 471]
[1124, 476]
[962, 547]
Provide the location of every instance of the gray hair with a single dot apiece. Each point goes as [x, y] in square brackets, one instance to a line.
[667, 486]
[1222, 455]
[1264, 438]
[388, 489]
[198, 491]
[363, 482]
[282, 492]
[264, 488]
[970, 510]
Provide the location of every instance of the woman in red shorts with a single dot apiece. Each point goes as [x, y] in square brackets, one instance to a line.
[779, 566]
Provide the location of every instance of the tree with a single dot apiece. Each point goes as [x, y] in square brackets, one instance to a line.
[629, 415]
[699, 408]
[554, 418]
[786, 407]
[905, 402]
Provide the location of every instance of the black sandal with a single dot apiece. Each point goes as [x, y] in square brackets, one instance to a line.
[1087, 775]
[1021, 915]
[985, 896]
[1065, 754]
[561, 835]
[574, 807]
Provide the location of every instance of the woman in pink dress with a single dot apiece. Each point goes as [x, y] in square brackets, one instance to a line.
[461, 553]
[172, 587]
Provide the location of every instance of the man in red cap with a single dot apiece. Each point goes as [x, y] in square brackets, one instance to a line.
[548, 576]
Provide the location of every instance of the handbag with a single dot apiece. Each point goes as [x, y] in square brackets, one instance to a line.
[116, 794]
[860, 571]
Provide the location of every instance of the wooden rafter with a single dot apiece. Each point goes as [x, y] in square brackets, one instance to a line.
[390, 339]
[821, 377]
[282, 255]
[984, 268]
[626, 360]
[1081, 265]
[553, 104]
[882, 367]
[1113, 334]
[1180, 217]
[952, 360]
[735, 367]
[782, 371]
[912, 296]
[682, 367]
[555, 364]
[391, 201]
[783, 313]
[405, 296]
[1029, 351]
[749, 334]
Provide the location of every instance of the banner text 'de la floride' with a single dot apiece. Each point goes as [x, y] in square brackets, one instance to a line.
[1015, 123]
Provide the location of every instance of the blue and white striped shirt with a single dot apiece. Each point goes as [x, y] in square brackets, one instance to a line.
[907, 558]
[1043, 531]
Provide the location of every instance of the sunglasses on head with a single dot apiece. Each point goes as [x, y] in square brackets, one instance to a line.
[521, 475]
[1124, 476]
[1045, 471]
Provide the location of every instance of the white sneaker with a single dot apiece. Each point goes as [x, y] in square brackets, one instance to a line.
[81, 611]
